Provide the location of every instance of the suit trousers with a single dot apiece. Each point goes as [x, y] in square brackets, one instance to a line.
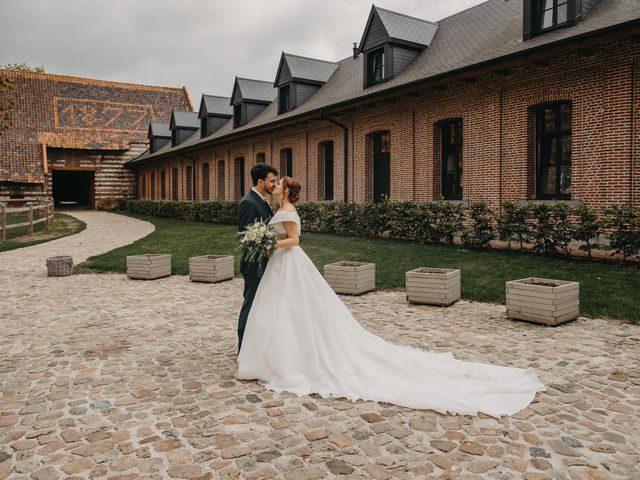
[251, 282]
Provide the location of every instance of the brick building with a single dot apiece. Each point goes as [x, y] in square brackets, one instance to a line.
[70, 136]
[508, 100]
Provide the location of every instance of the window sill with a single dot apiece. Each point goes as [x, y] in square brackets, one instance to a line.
[549, 201]
[464, 203]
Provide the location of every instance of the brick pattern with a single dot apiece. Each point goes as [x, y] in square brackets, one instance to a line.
[498, 135]
[73, 113]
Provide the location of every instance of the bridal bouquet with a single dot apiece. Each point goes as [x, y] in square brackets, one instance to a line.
[257, 242]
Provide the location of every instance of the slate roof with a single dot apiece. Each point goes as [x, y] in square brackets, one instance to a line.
[181, 119]
[405, 28]
[305, 68]
[257, 90]
[68, 112]
[157, 129]
[216, 105]
[486, 33]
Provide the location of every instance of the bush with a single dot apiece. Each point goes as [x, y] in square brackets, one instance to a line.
[480, 233]
[624, 222]
[587, 227]
[512, 224]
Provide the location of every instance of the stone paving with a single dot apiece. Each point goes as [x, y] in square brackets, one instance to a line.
[106, 377]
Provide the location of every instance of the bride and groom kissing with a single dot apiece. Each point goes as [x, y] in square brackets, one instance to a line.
[296, 335]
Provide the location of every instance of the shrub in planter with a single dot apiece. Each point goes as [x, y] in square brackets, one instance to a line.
[480, 233]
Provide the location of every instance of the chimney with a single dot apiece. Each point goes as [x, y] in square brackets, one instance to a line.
[355, 50]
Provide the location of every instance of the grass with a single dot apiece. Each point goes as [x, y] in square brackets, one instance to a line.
[607, 289]
[63, 225]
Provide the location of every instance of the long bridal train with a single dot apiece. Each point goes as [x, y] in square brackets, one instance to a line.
[301, 338]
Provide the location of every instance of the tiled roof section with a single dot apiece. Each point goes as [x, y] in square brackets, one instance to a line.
[406, 28]
[215, 105]
[486, 32]
[76, 113]
[258, 90]
[180, 119]
[311, 69]
[157, 129]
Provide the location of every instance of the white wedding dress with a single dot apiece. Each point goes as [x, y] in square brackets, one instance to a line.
[301, 338]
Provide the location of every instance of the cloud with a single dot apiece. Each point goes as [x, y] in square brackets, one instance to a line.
[200, 44]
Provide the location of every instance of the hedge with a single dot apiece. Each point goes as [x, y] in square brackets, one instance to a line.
[548, 228]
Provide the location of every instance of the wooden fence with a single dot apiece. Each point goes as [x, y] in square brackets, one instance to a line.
[23, 206]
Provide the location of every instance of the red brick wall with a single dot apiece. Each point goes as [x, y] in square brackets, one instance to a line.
[498, 134]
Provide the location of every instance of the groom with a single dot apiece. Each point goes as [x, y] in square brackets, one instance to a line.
[252, 207]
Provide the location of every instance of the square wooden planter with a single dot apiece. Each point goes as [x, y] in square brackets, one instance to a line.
[543, 300]
[433, 286]
[351, 278]
[149, 266]
[211, 268]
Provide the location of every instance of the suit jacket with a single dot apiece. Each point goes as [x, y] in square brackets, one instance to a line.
[250, 209]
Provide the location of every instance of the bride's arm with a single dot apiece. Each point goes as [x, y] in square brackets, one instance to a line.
[292, 236]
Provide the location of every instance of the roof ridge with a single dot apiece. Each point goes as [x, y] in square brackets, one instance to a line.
[253, 80]
[465, 10]
[60, 77]
[309, 58]
[216, 96]
[405, 15]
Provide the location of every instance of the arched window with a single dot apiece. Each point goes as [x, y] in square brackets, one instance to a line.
[286, 162]
[153, 185]
[174, 184]
[451, 158]
[238, 174]
[163, 185]
[205, 181]
[379, 165]
[221, 180]
[553, 150]
[143, 186]
[189, 182]
[325, 170]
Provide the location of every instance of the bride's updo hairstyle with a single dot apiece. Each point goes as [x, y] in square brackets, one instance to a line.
[293, 187]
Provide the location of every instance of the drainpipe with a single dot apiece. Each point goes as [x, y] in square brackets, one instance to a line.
[345, 129]
[633, 138]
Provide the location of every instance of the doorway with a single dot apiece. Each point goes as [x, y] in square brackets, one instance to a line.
[73, 189]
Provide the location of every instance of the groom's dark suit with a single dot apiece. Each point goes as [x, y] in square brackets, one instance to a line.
[252, 207]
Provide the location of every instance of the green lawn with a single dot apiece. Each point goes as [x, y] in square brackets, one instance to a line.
[606, 290]
[63, 225]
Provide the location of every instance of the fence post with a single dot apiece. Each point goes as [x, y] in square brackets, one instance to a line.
[4, 221]
[30, 205]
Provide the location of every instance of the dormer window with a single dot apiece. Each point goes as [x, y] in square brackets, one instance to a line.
[550, 14]
[237, 115]
[375, 62]
[284, 99]
[390, 42]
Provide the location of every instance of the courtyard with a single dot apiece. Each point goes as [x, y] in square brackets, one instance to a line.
[106, 377]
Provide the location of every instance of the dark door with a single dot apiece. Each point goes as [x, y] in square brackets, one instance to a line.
[381, 166]
[73, 189]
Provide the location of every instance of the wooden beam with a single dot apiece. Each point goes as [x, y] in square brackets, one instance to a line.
[76, 169]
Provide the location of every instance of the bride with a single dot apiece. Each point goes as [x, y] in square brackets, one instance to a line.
[301, 338]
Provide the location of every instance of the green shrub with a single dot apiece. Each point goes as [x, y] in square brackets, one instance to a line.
[480, 232]
[587, 227]
[512, 223]
[624, 222]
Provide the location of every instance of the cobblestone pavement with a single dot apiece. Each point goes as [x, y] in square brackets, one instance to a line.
[106, 377]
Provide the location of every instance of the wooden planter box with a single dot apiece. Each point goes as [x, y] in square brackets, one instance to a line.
[543, 300]
[352, 278]
[433, 286]
[211, 268]
[149, 267]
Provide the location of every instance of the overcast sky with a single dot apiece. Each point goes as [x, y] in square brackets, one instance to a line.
[200, 44]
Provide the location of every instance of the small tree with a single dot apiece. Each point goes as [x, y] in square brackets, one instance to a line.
[512, 223]
[587, 227]
[23, 67]
[480, 233]
[624, 221]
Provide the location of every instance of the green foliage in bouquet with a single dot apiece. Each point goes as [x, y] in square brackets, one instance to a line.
[257, 242]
